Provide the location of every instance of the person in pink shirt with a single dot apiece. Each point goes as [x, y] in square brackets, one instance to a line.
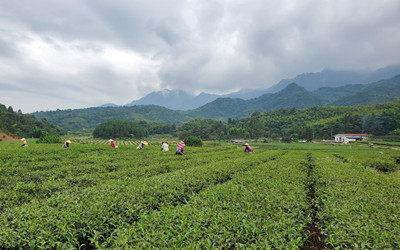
[112, 143]
[180, 148]
[248, 148]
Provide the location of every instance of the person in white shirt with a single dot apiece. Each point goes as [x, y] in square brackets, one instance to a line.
[164, 146]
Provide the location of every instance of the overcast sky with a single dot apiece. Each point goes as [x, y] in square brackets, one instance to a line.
[61, 54]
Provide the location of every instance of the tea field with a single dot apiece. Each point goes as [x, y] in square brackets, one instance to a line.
[285, 196]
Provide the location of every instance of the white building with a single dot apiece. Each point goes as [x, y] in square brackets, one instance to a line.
[346, 138]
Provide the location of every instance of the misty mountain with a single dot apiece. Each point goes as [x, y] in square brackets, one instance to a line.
[247, 94]
[106, 105]
[298, 97]
[181, 100]
[175, 99]
[382, 91]
[292, 96]
[384, 73]
[222, 107]
[329, 95]
[336, 78]
[326, 79]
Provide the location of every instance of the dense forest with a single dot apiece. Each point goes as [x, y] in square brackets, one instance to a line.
[290, 123]
[310, 123]
[131, 129]
[25, 125]
[89, 118]
[323, 122]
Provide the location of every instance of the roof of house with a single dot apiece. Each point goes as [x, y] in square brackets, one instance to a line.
[356, 134]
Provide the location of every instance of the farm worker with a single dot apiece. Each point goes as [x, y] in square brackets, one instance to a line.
[164, 146]
[141, 144]
[112, 143]
[66, 144]
[24, 142]
[248, 148]
[180, 148]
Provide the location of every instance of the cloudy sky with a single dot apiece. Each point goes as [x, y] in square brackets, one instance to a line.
[58, 54]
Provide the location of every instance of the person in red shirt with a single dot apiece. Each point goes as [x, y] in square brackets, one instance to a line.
[112, 143]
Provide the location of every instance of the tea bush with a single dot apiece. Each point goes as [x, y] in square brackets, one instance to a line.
[95, 196]
[194, 141]
[50, 139]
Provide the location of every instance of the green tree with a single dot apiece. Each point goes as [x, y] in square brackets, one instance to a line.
[194, 141]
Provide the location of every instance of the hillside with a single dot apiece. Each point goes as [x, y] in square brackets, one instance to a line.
[6, 137]
[310, 123]
[16, 124]
[329, 95]
[325, 78]
[222, 107]
[336, 78]
[382, 91]
[87, 119]
[295, 96]
[322, 122]
[175, 99]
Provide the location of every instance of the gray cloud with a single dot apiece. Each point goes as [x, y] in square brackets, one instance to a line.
[6, 49]
[69, 54]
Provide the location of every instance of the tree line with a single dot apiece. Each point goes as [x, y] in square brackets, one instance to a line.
[310, 123]
[25, 125]
[131, 129]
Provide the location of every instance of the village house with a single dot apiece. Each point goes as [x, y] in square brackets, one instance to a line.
[346, 138]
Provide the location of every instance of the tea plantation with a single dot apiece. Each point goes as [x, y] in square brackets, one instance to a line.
[285, 196]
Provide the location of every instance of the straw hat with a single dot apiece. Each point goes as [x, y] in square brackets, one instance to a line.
[68, 141]
[23, 139]
[246, 144]
[111, 140]
[144, 142]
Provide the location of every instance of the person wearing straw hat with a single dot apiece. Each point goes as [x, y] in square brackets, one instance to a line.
[164, 146]
[141, 144]
[112, 143]
[248, 148]
[180, 148]
[66, 144]
[24, 142]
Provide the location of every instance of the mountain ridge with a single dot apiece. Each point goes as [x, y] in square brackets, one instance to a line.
[293, 96]
[182, 100]
[296, 96]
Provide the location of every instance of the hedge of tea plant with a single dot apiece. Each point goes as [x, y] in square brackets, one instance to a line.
[359, 206]
[95, 196]
[45, 170]
[264, 207]
[88, 216]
